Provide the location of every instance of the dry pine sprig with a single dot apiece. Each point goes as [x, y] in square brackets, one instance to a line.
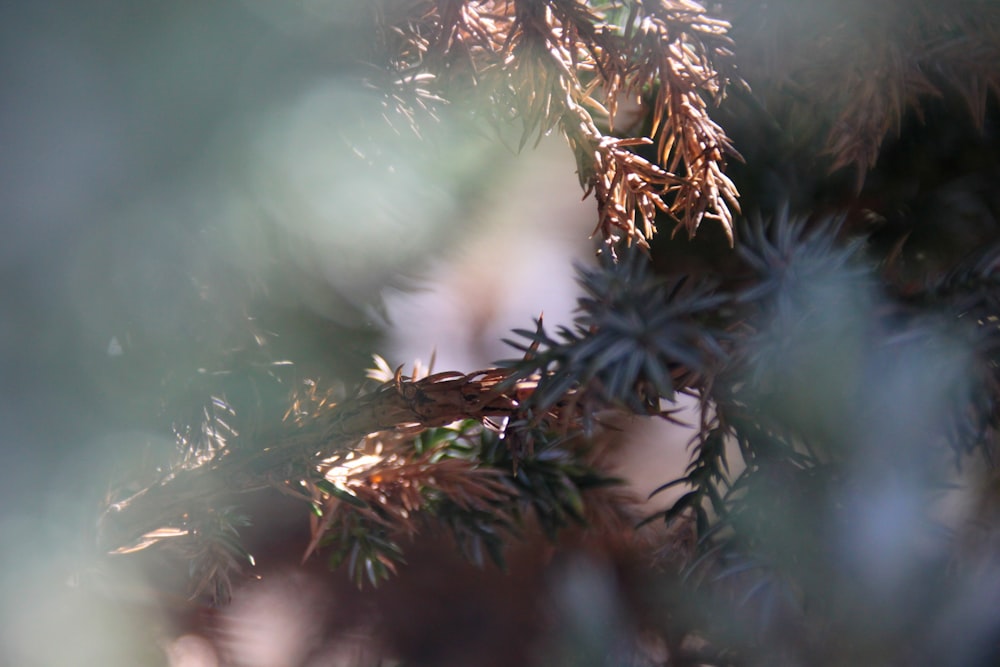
[316, 429]
[358, 465]
[566, 64]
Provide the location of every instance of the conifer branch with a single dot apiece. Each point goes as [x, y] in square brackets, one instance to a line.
[565, 64]
[316, 436]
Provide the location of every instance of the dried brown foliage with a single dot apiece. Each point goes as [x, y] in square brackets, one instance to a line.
[565, 64]
[390, 489]
[319, 432]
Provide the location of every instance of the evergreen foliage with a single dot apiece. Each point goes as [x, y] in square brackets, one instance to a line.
[841, 339]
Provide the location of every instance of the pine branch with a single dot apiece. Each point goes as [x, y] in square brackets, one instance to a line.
[463, 477]
[401, 404]
[565, 64]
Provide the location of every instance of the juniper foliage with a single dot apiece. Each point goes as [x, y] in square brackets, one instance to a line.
[841, 340]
